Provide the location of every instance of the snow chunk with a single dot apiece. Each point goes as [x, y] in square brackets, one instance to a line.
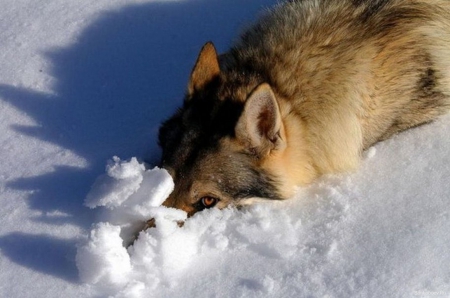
[132, 195]
[121, 180]
[370, 153]
[103, 259]
[129, 183]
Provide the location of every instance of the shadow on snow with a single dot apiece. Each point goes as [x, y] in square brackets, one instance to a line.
[124, 75]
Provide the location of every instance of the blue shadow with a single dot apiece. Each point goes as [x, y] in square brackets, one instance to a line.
[125, 73]
[42, 253]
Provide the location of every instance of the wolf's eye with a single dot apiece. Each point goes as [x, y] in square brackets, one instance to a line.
[208, 202]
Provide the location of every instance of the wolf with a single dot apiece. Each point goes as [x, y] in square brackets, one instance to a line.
[302, 93]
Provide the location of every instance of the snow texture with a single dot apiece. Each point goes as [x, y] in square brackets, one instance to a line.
[84, 81]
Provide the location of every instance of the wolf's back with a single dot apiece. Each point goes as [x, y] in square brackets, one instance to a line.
[390, 59]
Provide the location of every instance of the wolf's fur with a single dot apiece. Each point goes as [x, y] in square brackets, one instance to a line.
[303, 92]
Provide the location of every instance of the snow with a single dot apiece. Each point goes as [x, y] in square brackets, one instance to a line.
[103, 257]
[84, 83]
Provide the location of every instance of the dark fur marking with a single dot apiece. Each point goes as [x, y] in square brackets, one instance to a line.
[380, 20]
[201, 122]
[427, 82]
[372, 7]
[427, 94]
[257, 184]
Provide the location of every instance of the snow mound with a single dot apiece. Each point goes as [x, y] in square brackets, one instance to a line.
[103, 259]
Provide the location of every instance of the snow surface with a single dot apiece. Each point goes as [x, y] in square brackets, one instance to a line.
[84, 81]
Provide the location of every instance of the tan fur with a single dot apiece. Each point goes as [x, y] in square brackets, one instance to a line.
[206, 68]
[280, 162]
[308, 87]
[347, 89]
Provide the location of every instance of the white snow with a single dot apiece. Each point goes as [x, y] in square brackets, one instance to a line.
[103, 259]
[82, 82]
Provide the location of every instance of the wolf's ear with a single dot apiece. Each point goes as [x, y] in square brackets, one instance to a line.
[206, 68]
[259, 125]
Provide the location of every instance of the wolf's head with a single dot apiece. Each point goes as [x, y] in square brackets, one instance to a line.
[226, 144]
